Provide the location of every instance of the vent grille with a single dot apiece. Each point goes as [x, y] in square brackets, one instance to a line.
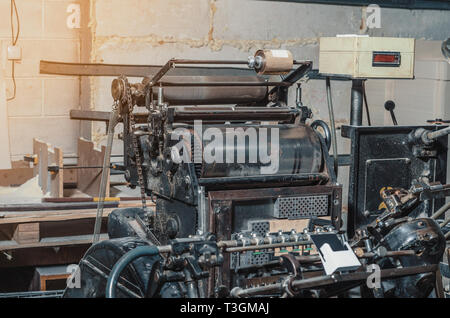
[259, 227]
[300, 207]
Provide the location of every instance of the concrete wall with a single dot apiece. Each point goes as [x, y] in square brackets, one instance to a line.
[42, 103]
[151, 32]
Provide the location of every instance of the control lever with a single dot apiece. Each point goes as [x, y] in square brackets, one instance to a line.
[389, 106]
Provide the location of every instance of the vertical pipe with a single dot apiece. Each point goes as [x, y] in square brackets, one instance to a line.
[356, 102]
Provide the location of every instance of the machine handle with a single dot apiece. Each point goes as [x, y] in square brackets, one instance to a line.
[389, 106]
[326, 130]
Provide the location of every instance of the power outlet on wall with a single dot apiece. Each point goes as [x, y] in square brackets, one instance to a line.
[14, 52]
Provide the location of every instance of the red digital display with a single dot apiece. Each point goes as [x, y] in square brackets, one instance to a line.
[386, 59]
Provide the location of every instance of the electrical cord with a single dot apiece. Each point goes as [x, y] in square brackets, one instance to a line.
[14, 39]
[365, 103]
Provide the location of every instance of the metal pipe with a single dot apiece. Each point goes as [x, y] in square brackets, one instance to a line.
[356, 102]
[123, 262]
[265, 246]
[331, 279]
[438, 133]
[441, 211]
[446, 221]
[333, 126]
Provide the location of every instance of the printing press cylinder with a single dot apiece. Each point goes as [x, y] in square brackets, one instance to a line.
[254, 150]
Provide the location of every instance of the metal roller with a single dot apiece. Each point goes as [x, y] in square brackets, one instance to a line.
[213, 95]
[272, 62]
[299, 152]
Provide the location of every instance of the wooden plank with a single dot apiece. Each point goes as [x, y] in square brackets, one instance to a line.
[66, 254]
[15, 177]
[57, 177]
[40, 149]
[5, 153]
[53, 242]
[20, 164]
[27, 233]
[92, 115]
[89, 179]
[52, 182]
[55, 216]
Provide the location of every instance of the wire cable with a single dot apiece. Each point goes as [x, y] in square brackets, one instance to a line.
[365, 103]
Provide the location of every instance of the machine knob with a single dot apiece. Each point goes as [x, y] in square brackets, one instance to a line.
[389, 106]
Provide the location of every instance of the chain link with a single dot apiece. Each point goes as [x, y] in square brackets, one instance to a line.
[137, 154]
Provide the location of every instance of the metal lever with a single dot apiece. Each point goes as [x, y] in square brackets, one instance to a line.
[389, 106]
[113, 120]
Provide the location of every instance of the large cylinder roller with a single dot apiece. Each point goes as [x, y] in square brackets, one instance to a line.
[255, 150]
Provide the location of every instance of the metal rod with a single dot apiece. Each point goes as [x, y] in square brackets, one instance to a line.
[113, 120]
[441, 211]
[438, 133]
[356, 103]
[102, 274]
[265, 246]
[188, 61]
[208, 84]
[332, 279]
[69, 167]
[446, 221]
[306, 177]
[333, 126]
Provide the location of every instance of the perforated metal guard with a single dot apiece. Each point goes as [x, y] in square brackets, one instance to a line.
[259, 227]
[244, 259]
[298, 207]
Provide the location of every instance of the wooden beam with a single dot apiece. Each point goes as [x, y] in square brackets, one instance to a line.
[89, 179]
[53, 242]
[52, 182]
[66, 254]
[26, 233]
[50, 216]
[15, 176]
[40, 149]
[56, 177]
[92, 115]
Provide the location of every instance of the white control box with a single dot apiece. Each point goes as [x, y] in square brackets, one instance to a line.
[367, 57]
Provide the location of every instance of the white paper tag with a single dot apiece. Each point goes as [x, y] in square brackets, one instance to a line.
[279, 53]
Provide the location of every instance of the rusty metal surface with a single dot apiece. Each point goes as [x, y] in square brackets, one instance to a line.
[98, 69]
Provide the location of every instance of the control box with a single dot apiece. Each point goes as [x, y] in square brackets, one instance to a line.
[367, 57]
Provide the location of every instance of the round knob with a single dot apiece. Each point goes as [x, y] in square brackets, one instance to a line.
[389, 105]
